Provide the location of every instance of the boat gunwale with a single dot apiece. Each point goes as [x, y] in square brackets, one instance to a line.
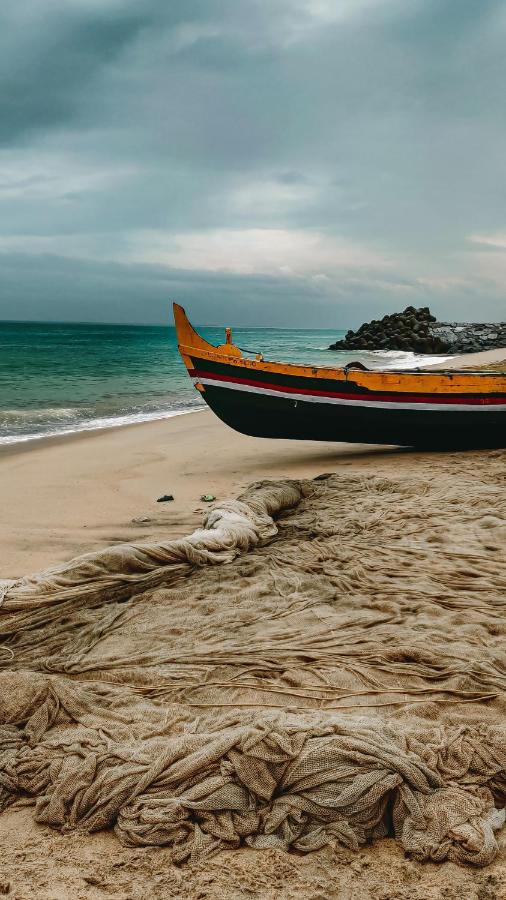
[308, 370]
[185, 349]
[191, 344]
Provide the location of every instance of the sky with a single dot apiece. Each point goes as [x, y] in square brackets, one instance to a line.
[263, 162]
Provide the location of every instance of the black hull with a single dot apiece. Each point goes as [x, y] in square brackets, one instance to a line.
[260, 415]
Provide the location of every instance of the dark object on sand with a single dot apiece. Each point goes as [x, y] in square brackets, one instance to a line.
[420, 407]
[165, 498]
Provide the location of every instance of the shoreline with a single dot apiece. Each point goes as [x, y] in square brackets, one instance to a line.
[484, 358]
[53, 440]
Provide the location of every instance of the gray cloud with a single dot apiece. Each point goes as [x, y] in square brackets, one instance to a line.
[50, 61]
[46, 287]
[360, 146]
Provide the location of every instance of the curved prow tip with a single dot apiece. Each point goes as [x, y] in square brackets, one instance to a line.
[185, 332]
[180, 317]
[188, 338]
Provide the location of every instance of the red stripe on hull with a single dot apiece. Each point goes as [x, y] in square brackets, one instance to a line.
[348, 395]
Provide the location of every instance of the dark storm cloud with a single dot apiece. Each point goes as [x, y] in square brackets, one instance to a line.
[49, 63]
[359, 145]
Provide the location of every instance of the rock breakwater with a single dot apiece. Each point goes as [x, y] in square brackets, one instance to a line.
[417, 330]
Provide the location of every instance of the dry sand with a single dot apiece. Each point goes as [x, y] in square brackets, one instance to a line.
[65, 496]
[62, 497]
[487, 358]
[41, 864]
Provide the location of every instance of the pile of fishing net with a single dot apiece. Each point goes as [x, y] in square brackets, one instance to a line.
[322, 662]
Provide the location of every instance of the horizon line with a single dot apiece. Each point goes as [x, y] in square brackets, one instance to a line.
[158, 324]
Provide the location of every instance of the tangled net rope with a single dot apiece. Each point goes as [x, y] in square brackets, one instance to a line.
[321, 662]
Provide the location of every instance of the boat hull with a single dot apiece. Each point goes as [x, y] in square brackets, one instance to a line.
[260, 414]
[422, 408]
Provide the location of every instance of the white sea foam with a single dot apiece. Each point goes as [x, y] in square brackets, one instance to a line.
[387, 359]
[398, 359]
[96, 424]
[42, 414]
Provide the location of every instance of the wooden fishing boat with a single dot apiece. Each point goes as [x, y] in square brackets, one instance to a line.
[423, 408]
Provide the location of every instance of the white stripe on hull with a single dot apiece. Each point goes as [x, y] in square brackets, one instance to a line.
[338, 401]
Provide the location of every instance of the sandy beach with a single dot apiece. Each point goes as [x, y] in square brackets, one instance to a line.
[67, 496]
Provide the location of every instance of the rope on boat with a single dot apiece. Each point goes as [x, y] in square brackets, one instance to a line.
[257, 353]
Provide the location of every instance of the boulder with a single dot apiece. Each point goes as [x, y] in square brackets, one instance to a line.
[419, 331]
[408, 330]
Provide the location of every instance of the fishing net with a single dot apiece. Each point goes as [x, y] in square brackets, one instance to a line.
[321, 663]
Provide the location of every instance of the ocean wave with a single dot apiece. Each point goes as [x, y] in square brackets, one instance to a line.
[42, 414]
[97, 423]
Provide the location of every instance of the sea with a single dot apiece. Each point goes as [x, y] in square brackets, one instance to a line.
[63, 378]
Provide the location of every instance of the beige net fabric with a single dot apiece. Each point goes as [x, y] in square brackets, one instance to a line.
[322, 662]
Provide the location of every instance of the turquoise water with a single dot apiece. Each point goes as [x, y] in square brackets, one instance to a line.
[63, 378]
